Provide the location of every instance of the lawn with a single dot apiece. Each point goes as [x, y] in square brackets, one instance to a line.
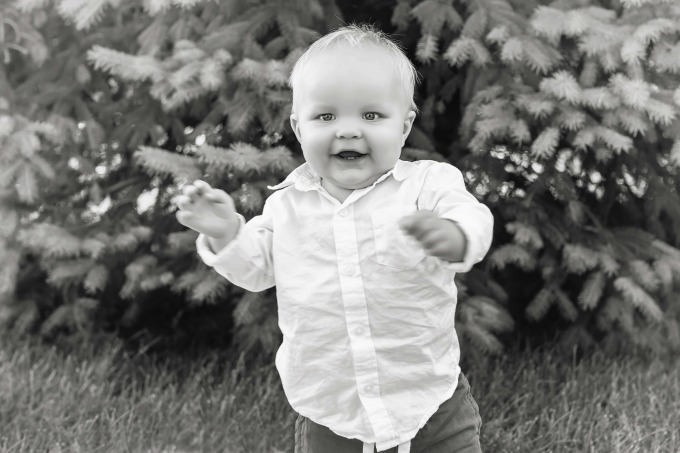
[98, 398]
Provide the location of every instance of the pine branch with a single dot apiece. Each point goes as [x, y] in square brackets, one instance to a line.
[571, 119]
[128, 67]
[27, 6]
[540, 304]
[241, 157]
[538, 104]
[433, 15]
[62, 273]
[660, 112]
[96, 279]
[632, 293]
[562, 85]
[633, 93]
[565, 306]
[584, 139]
[427, 48]
[519, 131]
[578, 259]
[135, 272]
[465, 49]
[600, 98]
[614, 140]
[666, 57]
[84, 13]
[592, 290]
[278, 159]
[525, 234]
[475, 24]
[249, 309]
[512, 254]
[644, 275]
[158, 161]
[512, 51]
[632, 121]
[498, 35]
[546, 143]
[664, 272]
[51, 241]
[549, 23]
[181, 242]
[539, 56]
[674, 156]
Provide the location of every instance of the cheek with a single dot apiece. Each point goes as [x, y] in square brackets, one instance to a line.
[387, 140]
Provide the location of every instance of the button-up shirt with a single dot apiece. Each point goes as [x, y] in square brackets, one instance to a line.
[369, 346]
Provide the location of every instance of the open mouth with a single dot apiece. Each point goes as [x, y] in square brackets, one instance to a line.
[349, 155]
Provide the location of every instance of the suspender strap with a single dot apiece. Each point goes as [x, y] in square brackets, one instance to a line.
[368, 448]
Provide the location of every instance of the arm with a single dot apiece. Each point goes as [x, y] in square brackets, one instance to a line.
[451, 224]
[239, 251]
[439, 237]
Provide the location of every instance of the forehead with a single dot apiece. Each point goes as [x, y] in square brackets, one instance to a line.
[335, 58]
[368, 70]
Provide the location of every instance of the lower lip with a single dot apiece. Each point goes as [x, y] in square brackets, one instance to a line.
[352, 159]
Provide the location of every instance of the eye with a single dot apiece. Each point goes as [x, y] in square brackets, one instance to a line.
[326, 117]
[371, 116]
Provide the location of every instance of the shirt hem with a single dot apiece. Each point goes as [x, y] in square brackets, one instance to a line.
[410, 435]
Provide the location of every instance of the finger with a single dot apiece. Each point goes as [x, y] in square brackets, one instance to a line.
[218, 196]
[183, 202]
[406, 223]
[184, 217]
[417, 227]
[201, 186]
[416, 219]
[191, 192]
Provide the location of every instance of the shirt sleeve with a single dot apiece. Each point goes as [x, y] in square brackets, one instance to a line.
[247, 260]
[444, 193]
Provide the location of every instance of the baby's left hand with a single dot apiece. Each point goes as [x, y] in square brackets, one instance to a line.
[439, 237]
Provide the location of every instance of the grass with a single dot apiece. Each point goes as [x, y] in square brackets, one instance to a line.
[97, 398]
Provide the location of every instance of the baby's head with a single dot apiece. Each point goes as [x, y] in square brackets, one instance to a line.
[354, 38]
[352, 106]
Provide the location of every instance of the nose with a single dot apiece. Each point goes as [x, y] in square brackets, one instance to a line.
[348, 129]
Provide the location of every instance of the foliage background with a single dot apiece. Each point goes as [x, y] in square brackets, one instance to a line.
[563, 116]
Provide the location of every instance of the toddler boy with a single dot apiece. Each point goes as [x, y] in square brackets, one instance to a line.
[363, 249]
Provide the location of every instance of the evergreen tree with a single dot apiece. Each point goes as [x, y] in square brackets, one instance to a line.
[563, 116]
[572, 111]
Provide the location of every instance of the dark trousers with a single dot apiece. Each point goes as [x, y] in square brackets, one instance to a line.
[454, 428]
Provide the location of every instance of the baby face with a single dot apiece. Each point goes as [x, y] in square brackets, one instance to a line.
[351, 118]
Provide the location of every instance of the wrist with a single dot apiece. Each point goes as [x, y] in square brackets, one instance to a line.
[219, 241]
[457, 243]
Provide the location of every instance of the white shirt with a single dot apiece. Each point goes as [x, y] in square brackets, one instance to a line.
[369, 346]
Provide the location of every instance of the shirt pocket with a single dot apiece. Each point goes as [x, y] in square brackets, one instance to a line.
[393, 247]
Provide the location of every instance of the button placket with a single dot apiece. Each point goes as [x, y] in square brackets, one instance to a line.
[356, 317]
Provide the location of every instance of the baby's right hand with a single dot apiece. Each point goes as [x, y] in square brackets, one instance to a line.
[206, 210]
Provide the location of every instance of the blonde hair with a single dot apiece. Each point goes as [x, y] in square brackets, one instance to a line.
[360, 35]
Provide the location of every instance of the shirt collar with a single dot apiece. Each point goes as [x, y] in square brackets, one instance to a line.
[304, 178]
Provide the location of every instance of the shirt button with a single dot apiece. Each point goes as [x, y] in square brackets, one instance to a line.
[348, 271]
[359, 331]
[369, 389]
[342, 212]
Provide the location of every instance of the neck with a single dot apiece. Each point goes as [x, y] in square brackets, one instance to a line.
[338, 193]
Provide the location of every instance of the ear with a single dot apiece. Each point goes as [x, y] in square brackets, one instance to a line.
[295, 125]
[408, 124]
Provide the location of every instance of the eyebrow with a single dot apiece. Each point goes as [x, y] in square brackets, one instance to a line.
[369, 107]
